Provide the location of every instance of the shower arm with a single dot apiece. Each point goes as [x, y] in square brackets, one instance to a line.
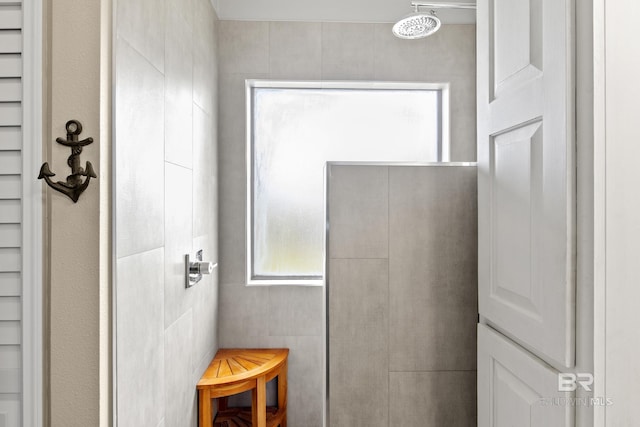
[416, 5]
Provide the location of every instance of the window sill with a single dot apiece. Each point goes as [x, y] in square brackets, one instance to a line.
[285, 282]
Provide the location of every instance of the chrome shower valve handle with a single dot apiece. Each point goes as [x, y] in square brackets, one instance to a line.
[195, 269]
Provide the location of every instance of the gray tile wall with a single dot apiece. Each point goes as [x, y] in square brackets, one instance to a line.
[359, 342]
[433, 268]
[252, 316]
[402, 311]
[166, 197]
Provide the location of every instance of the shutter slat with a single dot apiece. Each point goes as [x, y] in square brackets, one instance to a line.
[10, 211]
[10, 285]
[10, 163]
[10, 137]
[10, 381]
[10, 308]
[11, 94]
[10, 90]
[10, 113]
[10, 65]
[10, 236]
[10, 333]
[10, 260]
[10, 187]
[10, 17]
[10, 356]
[10, 41]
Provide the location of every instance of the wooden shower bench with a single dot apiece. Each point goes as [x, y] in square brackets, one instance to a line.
[234, 371]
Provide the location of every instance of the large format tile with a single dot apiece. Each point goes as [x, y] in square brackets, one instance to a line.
[432, 268]
[205, 172]
[358, 343]
[295, 50]
[140, 339]
[347, 51]
[305, 377]
[178, 74]
[244, 46]
[462, 95]
[139, 163]
[142, 24]
[205, 56]
[397, 59]
[180, 389]
[178, 241]
[452, 51]
[205, 310]
[432, 399]
[232, 239]
[295, 310]
[233, 119]
[154, 119]
[358, 211]
[244, 312]
[233, 181]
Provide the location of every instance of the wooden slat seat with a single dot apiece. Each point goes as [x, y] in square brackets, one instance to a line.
[234, 371]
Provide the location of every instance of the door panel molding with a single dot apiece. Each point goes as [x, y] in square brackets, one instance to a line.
[526, 173]
[517, 389]
[514, 193]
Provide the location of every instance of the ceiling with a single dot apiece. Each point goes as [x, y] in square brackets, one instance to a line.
[331, 10]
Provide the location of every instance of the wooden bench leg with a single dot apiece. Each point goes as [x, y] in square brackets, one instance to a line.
[205, 408]
[223, 403]
[282, 393]
[259, 403]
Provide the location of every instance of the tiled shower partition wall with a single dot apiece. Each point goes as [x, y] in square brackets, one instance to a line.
[291, 316]
[166, 206]
[402, 295]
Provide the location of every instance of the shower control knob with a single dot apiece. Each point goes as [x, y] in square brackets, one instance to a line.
[193, 270]
[201, 267]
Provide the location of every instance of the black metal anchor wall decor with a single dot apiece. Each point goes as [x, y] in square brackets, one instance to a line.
[74, 185]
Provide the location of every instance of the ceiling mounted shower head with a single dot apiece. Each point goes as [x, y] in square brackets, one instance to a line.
[417, 25]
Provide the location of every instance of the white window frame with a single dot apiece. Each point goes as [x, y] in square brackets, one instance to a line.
[252, 84]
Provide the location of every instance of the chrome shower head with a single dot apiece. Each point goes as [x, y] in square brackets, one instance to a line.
[417, 25]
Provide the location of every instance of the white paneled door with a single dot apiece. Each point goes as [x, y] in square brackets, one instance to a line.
[515, 389]
[526, 174]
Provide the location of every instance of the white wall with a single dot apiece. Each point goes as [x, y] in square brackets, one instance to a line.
[292, 316]
[77, 86]
[165, 207]
[618, 208]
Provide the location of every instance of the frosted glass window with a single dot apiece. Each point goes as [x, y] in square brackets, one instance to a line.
[294, 133]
